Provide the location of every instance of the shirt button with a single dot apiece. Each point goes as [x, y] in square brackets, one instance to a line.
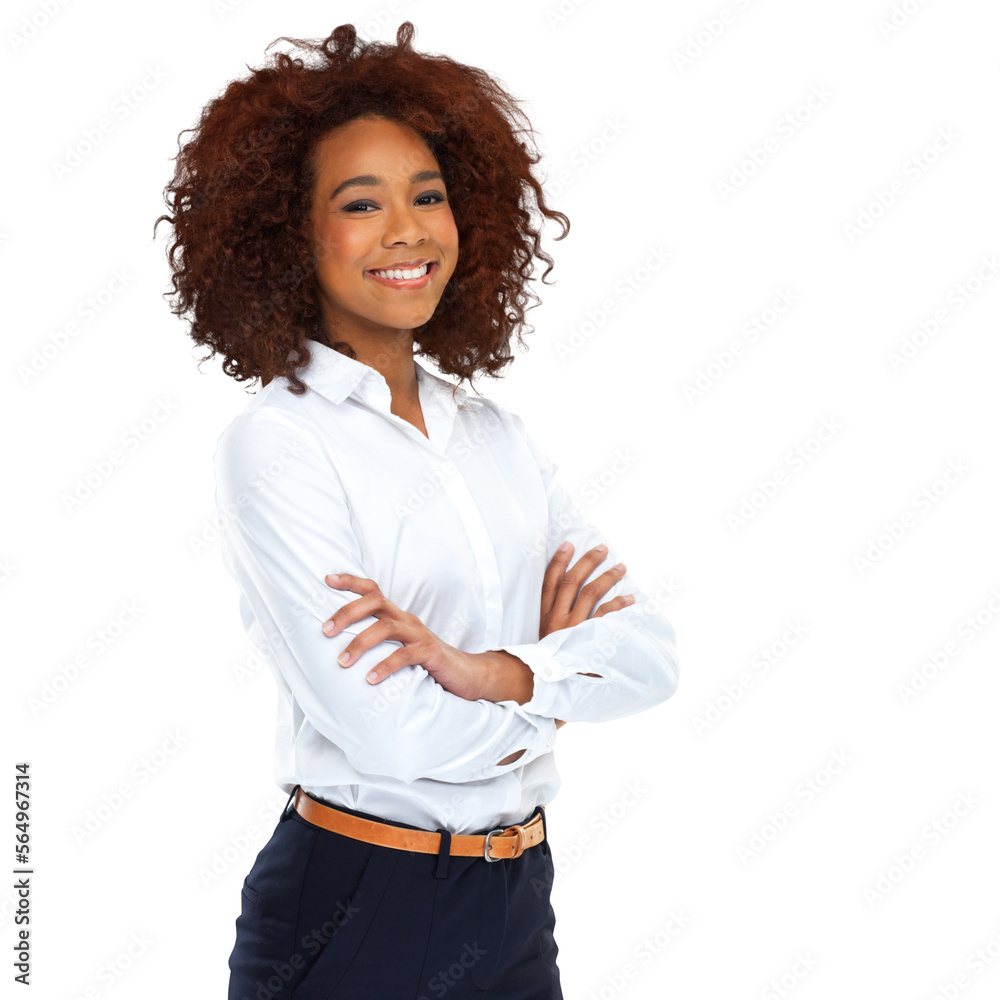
[547, 670]
[551, 738]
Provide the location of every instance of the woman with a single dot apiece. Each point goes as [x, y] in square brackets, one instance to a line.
[330, 218]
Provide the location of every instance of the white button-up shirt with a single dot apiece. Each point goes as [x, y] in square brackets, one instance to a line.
[458, 528]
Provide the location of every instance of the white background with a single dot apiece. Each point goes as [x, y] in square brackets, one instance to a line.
[830, 886]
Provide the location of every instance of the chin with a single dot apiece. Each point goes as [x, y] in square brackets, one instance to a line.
[409, 321]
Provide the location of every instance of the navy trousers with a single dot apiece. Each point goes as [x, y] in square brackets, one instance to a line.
[325, 917]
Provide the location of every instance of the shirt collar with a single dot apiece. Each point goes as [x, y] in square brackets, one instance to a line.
[336, 376]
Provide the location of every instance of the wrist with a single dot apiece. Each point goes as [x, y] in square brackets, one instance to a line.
[507, 677]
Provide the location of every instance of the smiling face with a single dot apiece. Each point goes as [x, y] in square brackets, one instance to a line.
[379, 202]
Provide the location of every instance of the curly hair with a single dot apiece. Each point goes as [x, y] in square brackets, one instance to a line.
[241, 258]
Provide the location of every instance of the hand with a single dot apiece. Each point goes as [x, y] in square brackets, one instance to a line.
[565, 603]
[460, 673]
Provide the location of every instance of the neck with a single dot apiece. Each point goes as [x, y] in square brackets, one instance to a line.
[391, 355]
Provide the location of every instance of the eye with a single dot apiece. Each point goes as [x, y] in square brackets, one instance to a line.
[362, 207]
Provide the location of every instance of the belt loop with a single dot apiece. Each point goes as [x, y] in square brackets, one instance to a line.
[285, 812]
[444, 853]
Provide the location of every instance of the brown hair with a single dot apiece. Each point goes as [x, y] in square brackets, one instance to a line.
[241, 259]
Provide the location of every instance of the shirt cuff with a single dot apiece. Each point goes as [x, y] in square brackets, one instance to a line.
[546, 728]
[547, 670]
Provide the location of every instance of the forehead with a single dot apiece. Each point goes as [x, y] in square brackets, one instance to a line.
[372, 145]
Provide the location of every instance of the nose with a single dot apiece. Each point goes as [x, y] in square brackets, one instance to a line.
[403, 224]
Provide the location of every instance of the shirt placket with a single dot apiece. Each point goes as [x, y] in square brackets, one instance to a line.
[440, 418]
[458, 492]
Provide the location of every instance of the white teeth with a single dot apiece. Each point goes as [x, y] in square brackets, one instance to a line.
[417, 272]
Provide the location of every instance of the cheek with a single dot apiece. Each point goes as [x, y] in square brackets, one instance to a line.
[445, 228]
[338, 265]
[332, 249]
[336, 245]
[446, 237]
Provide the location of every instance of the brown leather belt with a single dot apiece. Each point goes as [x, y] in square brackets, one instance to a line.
[509, 842]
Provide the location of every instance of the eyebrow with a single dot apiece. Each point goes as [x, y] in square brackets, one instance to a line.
[370, 180]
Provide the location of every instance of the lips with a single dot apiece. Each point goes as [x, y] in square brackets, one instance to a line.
[405, 283]
[405, 265]
[402, 265]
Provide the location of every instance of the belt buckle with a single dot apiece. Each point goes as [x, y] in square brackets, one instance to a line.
[518, 851]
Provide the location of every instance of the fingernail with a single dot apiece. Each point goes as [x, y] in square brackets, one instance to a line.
[372, 676]
[333, 576]
[565, 547]
[630, 598]
[328, 628]
[600, 548]
[618, 566]
[343, 658]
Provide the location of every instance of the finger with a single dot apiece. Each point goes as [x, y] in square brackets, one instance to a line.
[345, 581]
[569, 585]
[373, 604]
[383, 629]
[553, 574]
[621, 601]
[592, 592]
[405, 656]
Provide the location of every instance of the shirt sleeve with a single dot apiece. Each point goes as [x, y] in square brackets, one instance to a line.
[286, 524]
[633, 649]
